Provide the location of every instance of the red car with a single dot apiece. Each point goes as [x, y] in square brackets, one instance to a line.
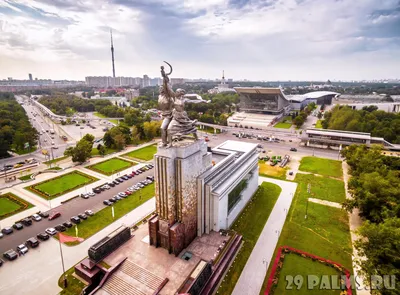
[128, 193]
[54, 215]
[133, 174]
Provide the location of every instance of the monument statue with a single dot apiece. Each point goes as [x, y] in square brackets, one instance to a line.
[176, 122]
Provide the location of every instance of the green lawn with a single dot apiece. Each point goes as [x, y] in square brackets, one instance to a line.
[95, 151]
[265, 169]
[104, 217]
[318, 124]
[60, 185]
[250, 224]
[144, 154]
[283, 125]
[56, 160]
[324, 233]
[25, 177]
[111, 166]
[74, 287]
[10, 204]
[322, 166]
[97, 114]
[296, 265]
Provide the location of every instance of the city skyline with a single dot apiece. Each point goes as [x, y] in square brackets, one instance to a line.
[254, 40]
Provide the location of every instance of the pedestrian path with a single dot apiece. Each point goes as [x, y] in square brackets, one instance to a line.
[253, 275]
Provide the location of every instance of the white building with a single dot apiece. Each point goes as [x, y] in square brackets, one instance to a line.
[390, 107]
[225, 189]
[223, 87]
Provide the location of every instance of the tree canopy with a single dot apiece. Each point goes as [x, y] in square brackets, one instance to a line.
[369, 119]
[15, 128]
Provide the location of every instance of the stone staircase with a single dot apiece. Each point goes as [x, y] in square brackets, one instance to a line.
[117, 286]
[141, 275]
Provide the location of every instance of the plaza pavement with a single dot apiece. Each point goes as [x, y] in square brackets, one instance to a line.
[252, 277]
[37, 272]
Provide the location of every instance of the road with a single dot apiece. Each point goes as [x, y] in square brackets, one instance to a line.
[72, 208]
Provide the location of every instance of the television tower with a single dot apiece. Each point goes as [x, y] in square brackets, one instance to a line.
[112, 55]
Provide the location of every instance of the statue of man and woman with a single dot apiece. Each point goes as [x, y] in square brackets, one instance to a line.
[176, 122]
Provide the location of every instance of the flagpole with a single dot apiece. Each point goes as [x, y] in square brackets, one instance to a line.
[62, 262]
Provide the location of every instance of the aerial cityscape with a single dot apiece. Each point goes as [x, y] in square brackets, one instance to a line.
[199, 147]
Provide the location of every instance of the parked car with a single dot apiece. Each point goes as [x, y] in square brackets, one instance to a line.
[18, 226]
[1, 262]
[115, 182]
[10, 255]
[293, 149]
[60, 228]
[43, 236]
[50, 231]
[68, 224]
[107, 203]
[82, 216]
[112, 184]
[1, 235]
[7, 230]
[75, 219]
[97, 190]
[26, 222]
[36, 217]
[22, 249]
[112, 200]
[89, 212]
[92, 194]
[118, 198]
[43, 214]
[85, 196]
[54, 215]
[150, 178]
[129, 176]
[32, 242]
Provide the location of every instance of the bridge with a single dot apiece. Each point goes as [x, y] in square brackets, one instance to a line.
[51, 115]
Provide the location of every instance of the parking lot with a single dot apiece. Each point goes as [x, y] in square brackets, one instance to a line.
[67, 210]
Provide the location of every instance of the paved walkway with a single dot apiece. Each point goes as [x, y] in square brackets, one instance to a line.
[355, 223]
[38, 273]
[253, 275]
[326, 203]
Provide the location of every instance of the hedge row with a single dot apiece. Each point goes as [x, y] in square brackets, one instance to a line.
[13, 198]
[47, 196]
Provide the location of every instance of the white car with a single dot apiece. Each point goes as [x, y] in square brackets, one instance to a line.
[92, 194]
[36, 217]
[22, 249]
[89, 212]
[51, 231]
[1, 235]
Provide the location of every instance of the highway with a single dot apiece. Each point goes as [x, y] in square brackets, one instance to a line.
[72, 208]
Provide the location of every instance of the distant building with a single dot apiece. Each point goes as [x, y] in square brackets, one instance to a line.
[155, 82]
[30, 77]
[222, 87]
[107, 81]
[177, 81]
[145, 81]
[319, 97]
[390, 107]
[131, 93]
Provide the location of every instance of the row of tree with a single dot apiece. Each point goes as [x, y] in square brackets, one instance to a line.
[69, 104]
[298, 119]
[375, 188]
[15, 129]
[369, 119]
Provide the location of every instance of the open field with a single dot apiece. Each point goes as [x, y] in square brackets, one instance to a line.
[283, 125]
[104, 217]
[322, 166]
[325, 232]
[60, 185]
[145, 154]
[111, 166]
[250, 224]
[265, 169]
[95, 151]
[10, 204]
[318, 124]
[97, 114]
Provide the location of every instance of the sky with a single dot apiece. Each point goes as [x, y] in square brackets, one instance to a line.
[249, 39]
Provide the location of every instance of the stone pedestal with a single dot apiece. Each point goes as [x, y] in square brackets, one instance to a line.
[176, 172]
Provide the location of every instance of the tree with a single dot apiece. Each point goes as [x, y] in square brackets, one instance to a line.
[101, 149]
[88, 137]
[135, 135]
[381, 245]
[119, 141]
[298, 121]
[319, 115]
[81, 152]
